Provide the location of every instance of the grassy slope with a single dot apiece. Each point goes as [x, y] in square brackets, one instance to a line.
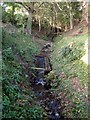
[12, 71]
[72, 76]
[26, 46]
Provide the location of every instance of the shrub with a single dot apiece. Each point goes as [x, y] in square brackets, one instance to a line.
[72, 52]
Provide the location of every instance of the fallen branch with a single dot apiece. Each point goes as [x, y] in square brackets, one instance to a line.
[35, 68]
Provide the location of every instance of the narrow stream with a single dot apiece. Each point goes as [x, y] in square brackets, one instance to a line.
[42, 87]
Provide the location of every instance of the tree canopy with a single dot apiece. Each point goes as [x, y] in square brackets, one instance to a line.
[62, 15]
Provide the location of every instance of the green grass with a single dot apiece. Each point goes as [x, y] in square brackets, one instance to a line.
[70, 63]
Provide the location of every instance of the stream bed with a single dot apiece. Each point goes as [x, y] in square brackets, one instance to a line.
[42, 88]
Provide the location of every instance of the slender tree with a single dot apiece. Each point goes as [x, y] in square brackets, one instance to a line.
[69, 6]
[85, 11]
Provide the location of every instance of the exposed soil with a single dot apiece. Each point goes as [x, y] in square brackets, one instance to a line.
[81, 28]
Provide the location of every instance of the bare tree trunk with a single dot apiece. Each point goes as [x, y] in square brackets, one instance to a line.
[29, 23]
[50, 24]
[39, 20]
[85, 11]
[71, 18]
[56, 31]
[53, 22]
[70, 13]
[30, 16]
[53, 17]
[66, 28]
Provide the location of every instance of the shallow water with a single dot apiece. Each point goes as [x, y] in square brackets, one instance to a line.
[43, 93]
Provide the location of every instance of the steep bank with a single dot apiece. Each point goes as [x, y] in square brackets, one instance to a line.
[72, 74]
[19, 100]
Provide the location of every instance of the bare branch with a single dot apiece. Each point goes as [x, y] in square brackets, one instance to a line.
[58, 6]
[40, 5]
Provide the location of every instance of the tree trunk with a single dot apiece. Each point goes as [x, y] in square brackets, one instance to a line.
[39, 20]
[71, 18]
[30, 16]
[66, 28]
[85, 11]
[29, 22]
[53, 23]
[70, 13]
[50, 22]
[53, 18]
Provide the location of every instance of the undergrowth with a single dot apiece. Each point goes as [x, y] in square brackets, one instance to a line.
[69, 67]
[18, 98]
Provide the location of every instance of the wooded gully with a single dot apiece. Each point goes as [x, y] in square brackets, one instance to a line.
[40, 85]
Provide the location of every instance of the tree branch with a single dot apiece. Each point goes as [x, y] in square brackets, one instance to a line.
[40, 5]
[58, 6]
